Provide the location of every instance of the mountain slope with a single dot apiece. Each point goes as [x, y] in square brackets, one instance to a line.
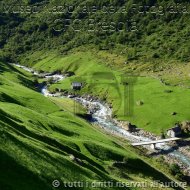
[38, 138]
[109, 83]
[41, 139]
[161, 28]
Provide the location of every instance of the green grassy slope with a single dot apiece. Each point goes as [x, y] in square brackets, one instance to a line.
[39, 134]
[161, 33]
[105, 82]
[38, 138]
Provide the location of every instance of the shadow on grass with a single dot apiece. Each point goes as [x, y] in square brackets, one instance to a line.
[139, 167]
[17, 177]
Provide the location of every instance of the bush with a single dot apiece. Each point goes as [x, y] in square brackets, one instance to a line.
[163, 136]
[155, 55]
[175, 169]
[125, 160]
[36, 81]
[50, 81]
[140, 103]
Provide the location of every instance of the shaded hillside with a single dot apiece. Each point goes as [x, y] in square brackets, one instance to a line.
[143, 31]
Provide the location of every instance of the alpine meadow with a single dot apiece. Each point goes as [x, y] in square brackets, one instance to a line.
[94, 94]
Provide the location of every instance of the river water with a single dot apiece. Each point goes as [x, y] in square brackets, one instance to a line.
[103, 117]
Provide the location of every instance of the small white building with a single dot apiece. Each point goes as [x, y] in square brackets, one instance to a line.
[76, 85]
[175, 131]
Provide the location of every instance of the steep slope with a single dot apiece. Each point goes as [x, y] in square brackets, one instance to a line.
[147, 31]
[41, 142]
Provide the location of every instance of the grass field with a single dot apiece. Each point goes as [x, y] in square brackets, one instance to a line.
[39, 135]
[131, 46]
[101, 80]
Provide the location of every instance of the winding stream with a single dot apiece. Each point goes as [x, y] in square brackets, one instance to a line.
[102, 117]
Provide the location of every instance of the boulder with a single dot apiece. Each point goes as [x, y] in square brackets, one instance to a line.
[77, 160]
[185, 125]
[139, 103]
[128, 126]
[173, 113]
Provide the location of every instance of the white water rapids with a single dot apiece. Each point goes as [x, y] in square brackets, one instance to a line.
[102, 116]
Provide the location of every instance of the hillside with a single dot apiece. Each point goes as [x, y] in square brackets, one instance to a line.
[144, 31]
[37, 142]
[107, 82]
[132, 56]
[150, 37]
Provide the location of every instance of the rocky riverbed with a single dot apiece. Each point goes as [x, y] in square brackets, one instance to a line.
[171, 151]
